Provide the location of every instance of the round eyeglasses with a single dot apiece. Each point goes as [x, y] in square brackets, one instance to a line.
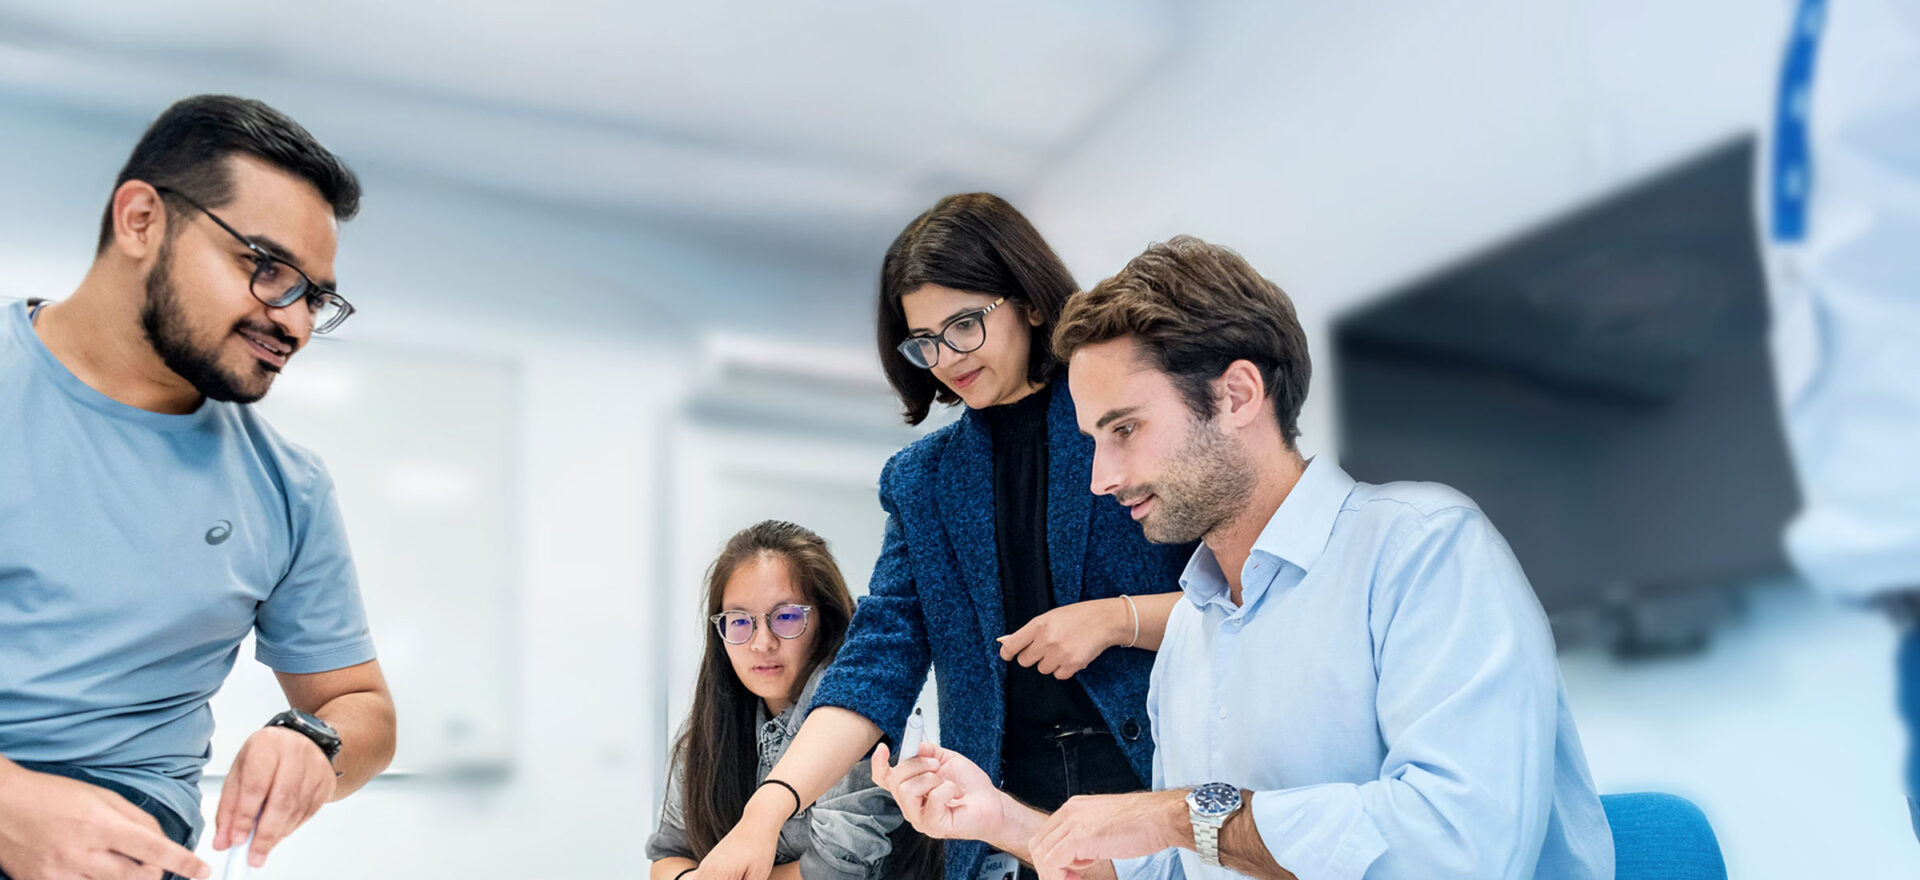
[963, 333]
[785, 621]
[277, 282]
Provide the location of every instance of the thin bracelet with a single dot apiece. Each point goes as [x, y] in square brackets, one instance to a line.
[796, 793]
[1135, 612]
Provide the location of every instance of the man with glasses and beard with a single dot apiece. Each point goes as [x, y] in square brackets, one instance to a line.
[150, 520]
[1359, 681]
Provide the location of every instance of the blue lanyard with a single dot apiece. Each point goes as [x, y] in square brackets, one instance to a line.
[1792, 172]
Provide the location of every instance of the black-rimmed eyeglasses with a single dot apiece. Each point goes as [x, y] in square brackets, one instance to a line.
[963, 333]
[786, 621]
[277, 282]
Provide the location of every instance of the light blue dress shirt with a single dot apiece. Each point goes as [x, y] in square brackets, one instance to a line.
[1388, 690]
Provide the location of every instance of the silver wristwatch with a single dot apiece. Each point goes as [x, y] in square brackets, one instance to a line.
[1209, 806]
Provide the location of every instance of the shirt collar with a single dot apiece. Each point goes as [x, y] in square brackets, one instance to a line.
[791, 718]
[1296, 534]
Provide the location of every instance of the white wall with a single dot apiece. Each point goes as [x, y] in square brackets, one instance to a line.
[578, 796]
[1347, 148]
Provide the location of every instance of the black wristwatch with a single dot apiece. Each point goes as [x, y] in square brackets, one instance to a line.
[311, 727]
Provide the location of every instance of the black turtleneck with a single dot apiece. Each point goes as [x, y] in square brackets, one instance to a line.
[1038, 706]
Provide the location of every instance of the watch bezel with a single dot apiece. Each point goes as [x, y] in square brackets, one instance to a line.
[313, 728]
[1214, 800]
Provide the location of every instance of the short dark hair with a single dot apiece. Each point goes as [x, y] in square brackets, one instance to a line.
[1194, 308]
[978, 243]
[186, 150]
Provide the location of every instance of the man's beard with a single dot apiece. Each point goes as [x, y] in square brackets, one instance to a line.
[1204, 489]
[166, 329]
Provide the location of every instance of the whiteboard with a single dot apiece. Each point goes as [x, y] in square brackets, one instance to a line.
[423, 449]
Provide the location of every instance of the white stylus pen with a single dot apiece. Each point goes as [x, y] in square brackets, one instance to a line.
[237, 866]
[910, 741]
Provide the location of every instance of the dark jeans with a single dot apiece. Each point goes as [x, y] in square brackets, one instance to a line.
[1907, 674]
[1045, 771]
[175, 827]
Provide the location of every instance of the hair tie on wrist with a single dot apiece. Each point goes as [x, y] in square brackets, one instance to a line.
[795, 792]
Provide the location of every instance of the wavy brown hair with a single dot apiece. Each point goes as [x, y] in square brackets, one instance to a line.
[1193, 309]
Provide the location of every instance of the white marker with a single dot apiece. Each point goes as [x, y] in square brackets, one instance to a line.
[237, 866]
[916, 731]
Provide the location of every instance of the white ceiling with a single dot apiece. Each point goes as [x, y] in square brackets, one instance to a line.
[825, 124]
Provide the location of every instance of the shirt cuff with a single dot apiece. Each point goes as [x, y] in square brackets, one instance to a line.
[1318, 832]
[1163, 865]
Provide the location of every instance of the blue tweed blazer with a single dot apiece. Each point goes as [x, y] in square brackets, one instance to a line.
[934, 599]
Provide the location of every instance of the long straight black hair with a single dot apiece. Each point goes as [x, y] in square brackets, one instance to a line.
[978, 243]
[719, 752]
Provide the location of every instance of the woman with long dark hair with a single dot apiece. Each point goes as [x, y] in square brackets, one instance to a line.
[778, 610]
[1035, 602]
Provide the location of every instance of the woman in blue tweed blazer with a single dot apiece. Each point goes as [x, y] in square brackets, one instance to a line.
[1035, 602]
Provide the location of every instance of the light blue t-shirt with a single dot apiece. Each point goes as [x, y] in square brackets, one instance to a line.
[137, 550]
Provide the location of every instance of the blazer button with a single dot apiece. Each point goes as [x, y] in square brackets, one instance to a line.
[1130, 729]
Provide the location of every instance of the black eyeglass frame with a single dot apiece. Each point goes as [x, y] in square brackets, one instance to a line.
[909, 345]
[305, 289]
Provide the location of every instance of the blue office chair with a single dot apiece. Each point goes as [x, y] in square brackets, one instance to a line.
[1661, 837]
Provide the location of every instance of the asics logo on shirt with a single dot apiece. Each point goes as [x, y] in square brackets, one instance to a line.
[220, 532]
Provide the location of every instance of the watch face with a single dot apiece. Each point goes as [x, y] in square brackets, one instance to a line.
[1214, 799]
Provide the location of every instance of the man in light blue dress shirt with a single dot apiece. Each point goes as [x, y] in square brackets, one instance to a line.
[1361, 682]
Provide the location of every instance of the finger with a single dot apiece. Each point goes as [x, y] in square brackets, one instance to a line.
[909, 768]
[109, 865]
[1045, 868]
[1067, 670]
[1044, 841]
[915, 787]
[229, 803]
[155, 851]
[882, 772]
[1047, 667]
[944, 795]
[1032, 654]
[126, 810]
[277, 819]
[317, 795]
[103, 865]
[253, 777]
[1013, 642]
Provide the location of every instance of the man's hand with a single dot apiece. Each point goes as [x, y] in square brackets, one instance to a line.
[279, 776]
[1093, 829]
[945, 795]
[54, 828]
[1063, 641]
